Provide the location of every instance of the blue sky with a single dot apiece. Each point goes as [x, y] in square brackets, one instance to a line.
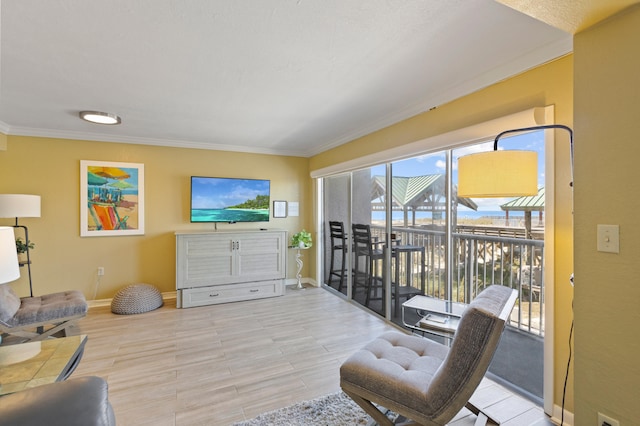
[435, 163]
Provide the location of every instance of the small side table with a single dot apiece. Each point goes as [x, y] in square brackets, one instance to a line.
[439, 317]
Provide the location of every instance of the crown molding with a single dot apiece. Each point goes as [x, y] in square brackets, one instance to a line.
[173, 143]
[527, 61]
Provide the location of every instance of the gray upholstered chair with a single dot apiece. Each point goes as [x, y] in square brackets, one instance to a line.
[423, 380]
[75, 402]
[39, 317]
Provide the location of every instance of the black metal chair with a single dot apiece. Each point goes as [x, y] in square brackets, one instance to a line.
[365, 274]
[338, 243]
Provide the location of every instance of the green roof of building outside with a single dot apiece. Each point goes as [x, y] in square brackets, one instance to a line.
[531, 203]
[410, 191]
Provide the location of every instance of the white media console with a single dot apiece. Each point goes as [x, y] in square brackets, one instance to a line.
[219, 267]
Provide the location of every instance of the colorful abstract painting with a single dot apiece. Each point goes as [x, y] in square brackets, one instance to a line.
[111, 198]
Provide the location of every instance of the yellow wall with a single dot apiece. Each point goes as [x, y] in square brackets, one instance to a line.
[550, 84]
[607, 292]
[63, 260]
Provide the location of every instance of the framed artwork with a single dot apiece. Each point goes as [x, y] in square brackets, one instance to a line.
[279, 209]
[111, 198]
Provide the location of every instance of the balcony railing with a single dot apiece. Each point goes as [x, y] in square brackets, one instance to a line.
[478, 261]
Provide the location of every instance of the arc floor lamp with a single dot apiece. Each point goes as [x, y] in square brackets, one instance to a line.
[508, 173]
[503, 173]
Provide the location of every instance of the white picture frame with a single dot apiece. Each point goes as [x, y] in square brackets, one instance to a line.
[111, 198]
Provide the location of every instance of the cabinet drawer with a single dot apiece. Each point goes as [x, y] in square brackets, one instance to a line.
[229, 293]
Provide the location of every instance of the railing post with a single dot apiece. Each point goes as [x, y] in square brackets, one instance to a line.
[469, 269]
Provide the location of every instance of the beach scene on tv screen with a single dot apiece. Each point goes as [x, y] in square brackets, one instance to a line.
[229, 200]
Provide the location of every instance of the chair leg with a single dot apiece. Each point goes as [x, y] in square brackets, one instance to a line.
[331, 266]
[53, 330]
[368, 281]
[367, 290]
[482, 417]
[370, 409]
[356, 273]
[333, 271]
[343, 270]
[42, 333]
[481, 420]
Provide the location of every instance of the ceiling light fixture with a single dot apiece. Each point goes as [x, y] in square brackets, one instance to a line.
[98, 117]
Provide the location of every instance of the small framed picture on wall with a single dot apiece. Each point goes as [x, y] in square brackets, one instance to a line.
[279, 209]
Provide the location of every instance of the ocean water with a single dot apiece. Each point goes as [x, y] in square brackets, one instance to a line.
[230, 215]
[471, 214]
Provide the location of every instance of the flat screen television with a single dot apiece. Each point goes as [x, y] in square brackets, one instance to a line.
[217, 199]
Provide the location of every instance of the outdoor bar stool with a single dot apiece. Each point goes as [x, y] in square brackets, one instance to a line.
[338, 243]
[365, 274]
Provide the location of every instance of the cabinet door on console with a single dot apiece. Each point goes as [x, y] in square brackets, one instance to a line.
[205, 260]
[261, 256]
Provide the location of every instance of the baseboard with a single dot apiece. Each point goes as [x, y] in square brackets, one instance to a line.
[557, 416]
[97, 303]
[171, 295]
[293, 281]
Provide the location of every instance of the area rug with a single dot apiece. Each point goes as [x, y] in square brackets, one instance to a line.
[335, 409]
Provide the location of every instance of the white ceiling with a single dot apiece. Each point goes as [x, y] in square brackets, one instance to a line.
[269, 76]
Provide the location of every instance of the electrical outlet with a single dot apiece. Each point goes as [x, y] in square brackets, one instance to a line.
[607, 421]
[100, 271]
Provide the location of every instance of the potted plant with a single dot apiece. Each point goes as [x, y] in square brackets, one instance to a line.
[301, 239]
[21, 247]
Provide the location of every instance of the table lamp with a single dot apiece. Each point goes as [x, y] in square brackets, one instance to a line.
[17, 206]
[9, 268]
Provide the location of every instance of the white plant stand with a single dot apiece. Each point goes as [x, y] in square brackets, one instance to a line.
[300, 265]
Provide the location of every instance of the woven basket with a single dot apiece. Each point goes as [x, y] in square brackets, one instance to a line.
[136, 299]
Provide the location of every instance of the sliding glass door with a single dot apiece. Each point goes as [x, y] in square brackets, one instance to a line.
[354, 205]
[420, 216]
[336, 198]
[406, 233]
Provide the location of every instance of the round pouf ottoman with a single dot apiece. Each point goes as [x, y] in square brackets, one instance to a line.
[136, 299]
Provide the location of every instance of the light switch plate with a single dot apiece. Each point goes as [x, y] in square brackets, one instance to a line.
[609, 238]
[606, 420]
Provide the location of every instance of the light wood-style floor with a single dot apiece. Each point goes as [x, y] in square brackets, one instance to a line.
[216, 365]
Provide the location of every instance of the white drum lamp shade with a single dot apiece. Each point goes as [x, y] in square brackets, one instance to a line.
[19, 205]
[9, 268]
[504, 173]
[507, 173]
